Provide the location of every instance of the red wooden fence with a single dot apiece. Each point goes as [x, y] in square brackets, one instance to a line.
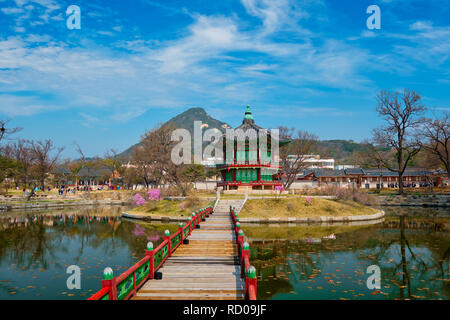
[126, 285]
[248, 272]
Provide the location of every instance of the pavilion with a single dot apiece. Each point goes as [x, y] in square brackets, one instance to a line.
[249, 168]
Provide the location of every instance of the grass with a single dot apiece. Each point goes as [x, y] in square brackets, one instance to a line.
[170, 208]
[298, 207]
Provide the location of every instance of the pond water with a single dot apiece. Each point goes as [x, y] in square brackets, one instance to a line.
[37, 247]
[293, 262]
[330, 262]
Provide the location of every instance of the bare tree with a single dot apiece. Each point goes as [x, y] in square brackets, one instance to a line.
[46, 156]
[22, 152]
[90, 165]
[5, 131]
[292, 155]
[113, 164]
[401, 113]
[131, 178]
[152, 157]
[435, 135]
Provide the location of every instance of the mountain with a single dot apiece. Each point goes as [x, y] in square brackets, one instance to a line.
[341, 150]
[186, 120]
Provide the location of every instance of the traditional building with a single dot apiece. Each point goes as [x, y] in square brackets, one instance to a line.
[246, 165]
[373, 178]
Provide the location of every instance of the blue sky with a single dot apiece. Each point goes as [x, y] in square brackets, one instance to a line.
[304, 63]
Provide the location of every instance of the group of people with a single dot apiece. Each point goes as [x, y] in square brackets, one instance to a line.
[63, 190]
[410, 185]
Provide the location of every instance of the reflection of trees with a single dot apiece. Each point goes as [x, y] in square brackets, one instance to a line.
[39, 241]
[27, 242]
[412, 259]
[425, 268]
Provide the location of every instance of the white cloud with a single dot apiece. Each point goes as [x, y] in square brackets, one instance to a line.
[105, 33]
[13, 105]
[12, 11]
[421, 25]
[200, 63]
[19, 29]
[427, 45]
[277, 15]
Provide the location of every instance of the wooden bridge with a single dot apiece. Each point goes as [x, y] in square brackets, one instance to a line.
[206, 259]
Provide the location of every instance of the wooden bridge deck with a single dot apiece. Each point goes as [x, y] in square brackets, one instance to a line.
[206, 268]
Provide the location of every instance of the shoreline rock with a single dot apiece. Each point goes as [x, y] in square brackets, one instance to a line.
[321, 219]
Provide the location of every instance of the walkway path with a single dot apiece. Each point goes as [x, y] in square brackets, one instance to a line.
[206, 268]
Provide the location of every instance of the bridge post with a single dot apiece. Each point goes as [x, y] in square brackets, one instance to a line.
[167, 237]
[197, 219]
[250, 281]
[238, 227]
[245, 254]
[240, 240]
[151, 262]
[109, 281]
[192, 223]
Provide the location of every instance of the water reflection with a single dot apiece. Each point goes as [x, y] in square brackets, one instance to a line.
[413, 256]
[36, 248]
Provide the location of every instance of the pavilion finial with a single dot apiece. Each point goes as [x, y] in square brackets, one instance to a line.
[248, 113]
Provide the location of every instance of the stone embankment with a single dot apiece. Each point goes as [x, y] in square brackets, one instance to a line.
[322, 219]
[6, 206]
[427, 200]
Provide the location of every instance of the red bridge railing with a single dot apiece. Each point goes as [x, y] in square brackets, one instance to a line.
[248, 272]
[126, 285]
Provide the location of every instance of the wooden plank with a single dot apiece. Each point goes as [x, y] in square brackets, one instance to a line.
[206, 268]
[191, 286]
[200, 291]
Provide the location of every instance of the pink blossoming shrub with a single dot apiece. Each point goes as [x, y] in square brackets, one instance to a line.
[138, 200]
[154, 194]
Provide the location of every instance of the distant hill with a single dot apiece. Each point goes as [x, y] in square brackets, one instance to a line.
[340, 150]
[186, 120]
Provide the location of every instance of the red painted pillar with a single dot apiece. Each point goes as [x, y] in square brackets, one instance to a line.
[245, 254]
[240, 239]
[250, 281]
[112, 284]
[167, 238]
[151, 261]
[109, 281]
[192, 223]
[180, 230]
